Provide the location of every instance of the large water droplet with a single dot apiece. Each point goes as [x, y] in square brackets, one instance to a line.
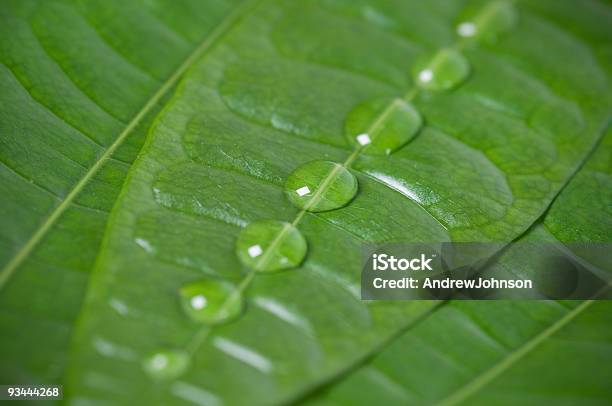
[166, 364]
[320, 186]
[211, 301]
[270, 245]
[488, 22]
[382, 126]
[442, 71]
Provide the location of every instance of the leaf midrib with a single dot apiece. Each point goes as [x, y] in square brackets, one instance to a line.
[206, 45]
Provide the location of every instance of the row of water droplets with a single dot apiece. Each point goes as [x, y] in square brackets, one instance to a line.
[378, 127]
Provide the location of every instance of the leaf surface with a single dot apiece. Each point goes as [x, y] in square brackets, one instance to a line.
[80, 83]
[274, 93]
[507, 352]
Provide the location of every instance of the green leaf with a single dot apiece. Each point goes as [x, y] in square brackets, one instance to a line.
[273, 94]
[80, 84]
[498, 352]
[504, 352]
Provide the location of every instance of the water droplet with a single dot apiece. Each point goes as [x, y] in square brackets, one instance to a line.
[320, 186]
[382, 126]
[488, 22]
[166, 364]
[210, 301]
[270, 245]
[442, 71]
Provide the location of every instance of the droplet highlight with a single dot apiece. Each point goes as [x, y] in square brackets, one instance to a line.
[166, 364]
[320, 186]
[490, 21]
[211, 301]
[382, 126]
[466, 29]
[444, 70]
[270, 246]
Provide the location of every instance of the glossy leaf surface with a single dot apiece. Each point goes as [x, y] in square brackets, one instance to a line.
[492, 155]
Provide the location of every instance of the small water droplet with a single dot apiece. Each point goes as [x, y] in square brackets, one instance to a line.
[270, 245]
[166, 364]
[488, 22]
[442, 71]
[382, 126]
[320, 186]
[210, 301]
